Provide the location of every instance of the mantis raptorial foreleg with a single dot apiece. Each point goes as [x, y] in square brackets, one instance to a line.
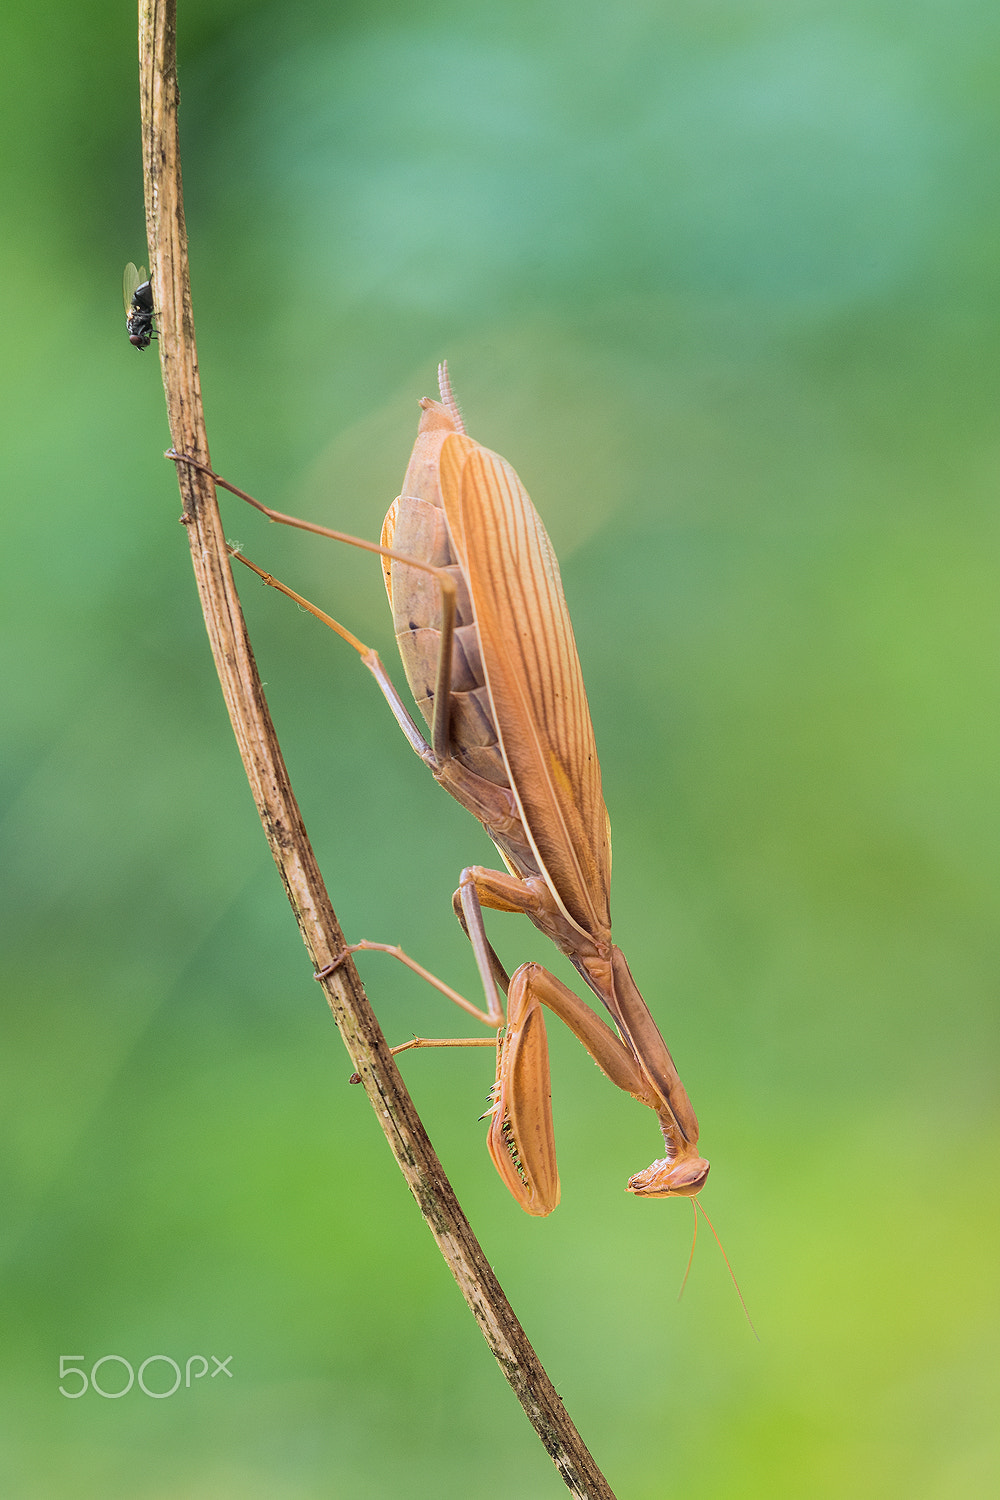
[532, 984]
[521, 1139]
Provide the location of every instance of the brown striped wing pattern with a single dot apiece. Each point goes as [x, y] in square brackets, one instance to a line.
[533, 675]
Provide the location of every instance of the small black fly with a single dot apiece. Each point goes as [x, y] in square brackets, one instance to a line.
[138, 296]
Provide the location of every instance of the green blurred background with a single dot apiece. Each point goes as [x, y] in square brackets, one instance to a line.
[720, 281]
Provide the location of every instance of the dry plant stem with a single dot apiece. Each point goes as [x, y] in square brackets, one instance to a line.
[269, 782]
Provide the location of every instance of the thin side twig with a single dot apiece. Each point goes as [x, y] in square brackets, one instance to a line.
[272, 790]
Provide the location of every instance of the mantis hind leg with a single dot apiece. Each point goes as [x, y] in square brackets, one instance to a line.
[442, 576]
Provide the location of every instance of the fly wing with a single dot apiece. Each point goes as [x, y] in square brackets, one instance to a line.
[533, 675]
[134, 276]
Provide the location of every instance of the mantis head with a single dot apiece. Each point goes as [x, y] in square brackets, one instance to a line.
[671, 1177]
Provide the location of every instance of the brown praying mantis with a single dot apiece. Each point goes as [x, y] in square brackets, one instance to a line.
[488, 650]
